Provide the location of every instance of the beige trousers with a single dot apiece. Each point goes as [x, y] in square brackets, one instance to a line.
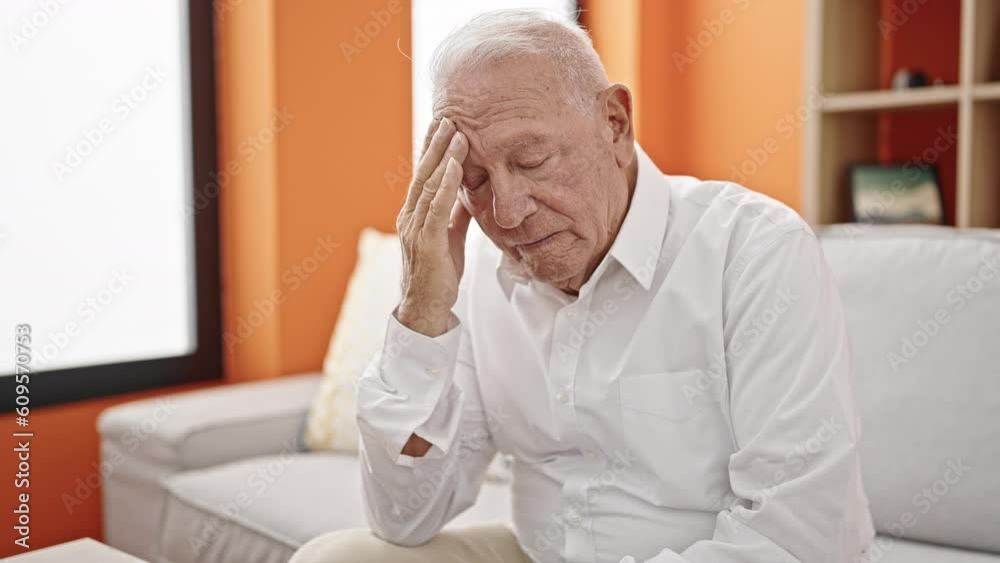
[493, 543]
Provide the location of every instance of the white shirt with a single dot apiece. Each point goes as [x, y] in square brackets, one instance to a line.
[693, 404]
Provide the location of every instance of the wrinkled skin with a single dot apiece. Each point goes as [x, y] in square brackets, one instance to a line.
[539, 169]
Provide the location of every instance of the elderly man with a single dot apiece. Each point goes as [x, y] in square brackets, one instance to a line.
[663, 358]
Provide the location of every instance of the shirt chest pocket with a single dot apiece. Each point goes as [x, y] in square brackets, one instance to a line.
[675, 426]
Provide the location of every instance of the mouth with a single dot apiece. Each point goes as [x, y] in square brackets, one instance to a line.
[538, 243]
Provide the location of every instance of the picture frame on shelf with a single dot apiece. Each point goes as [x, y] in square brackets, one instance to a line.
[895, 194]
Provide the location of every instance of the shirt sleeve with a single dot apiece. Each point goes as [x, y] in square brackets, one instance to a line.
[425, 386]
[795, 470]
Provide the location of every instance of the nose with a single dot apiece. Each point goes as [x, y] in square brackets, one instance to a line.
[512, 201]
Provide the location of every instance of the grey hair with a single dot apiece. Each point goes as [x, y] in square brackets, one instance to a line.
[506, 34]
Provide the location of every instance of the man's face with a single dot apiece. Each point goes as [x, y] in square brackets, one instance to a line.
[544, 181]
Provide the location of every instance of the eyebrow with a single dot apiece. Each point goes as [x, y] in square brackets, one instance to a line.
[521, 141]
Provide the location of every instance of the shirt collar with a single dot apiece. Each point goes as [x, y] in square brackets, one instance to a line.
[640, 238]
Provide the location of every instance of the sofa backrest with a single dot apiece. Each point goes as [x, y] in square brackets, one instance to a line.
[922, 307]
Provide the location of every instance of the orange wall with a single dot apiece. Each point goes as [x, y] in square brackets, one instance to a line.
[632, 36]
[290, 234]
[340, 72]
[293, 216]
[249, 199]
[716, 79]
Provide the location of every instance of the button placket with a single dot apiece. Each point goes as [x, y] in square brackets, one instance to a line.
[568, 341]
[565, 351]
[563, 358]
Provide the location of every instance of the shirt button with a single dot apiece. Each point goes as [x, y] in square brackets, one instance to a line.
[574, 518]
[571, 314]
[562, 396]
[433, 372]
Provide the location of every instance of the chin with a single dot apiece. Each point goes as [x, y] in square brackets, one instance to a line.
[553, 271]
[557, 264]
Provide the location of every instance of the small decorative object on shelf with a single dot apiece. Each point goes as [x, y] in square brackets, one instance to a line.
[918, 79]
[901, 79]
[895, 193]
[904, 79]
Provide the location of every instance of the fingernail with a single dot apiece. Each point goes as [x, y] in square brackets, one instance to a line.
[456, 141]
[445, 123]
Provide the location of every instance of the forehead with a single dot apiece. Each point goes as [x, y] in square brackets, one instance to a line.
[525, 77]
[511, 103]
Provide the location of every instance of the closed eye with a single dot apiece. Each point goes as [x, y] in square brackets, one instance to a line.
[535, 164]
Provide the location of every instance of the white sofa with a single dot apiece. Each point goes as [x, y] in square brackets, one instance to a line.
[219, 476]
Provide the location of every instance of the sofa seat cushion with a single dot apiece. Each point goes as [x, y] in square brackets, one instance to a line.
[262, 509]
[890, 550]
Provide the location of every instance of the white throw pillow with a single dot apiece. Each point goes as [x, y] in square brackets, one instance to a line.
[372, 294]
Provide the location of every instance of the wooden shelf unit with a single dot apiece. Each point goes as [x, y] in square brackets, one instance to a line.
[881, 100]
[852, 119]
[990, 91]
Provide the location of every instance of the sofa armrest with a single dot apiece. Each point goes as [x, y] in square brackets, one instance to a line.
[144, 442]
[211, 426]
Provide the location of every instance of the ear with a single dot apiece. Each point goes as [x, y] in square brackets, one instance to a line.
[616, 118]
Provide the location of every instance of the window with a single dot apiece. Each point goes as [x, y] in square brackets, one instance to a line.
[109, 127]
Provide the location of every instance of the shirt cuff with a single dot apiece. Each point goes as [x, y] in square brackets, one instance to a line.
[418, 365]
[413, 374]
